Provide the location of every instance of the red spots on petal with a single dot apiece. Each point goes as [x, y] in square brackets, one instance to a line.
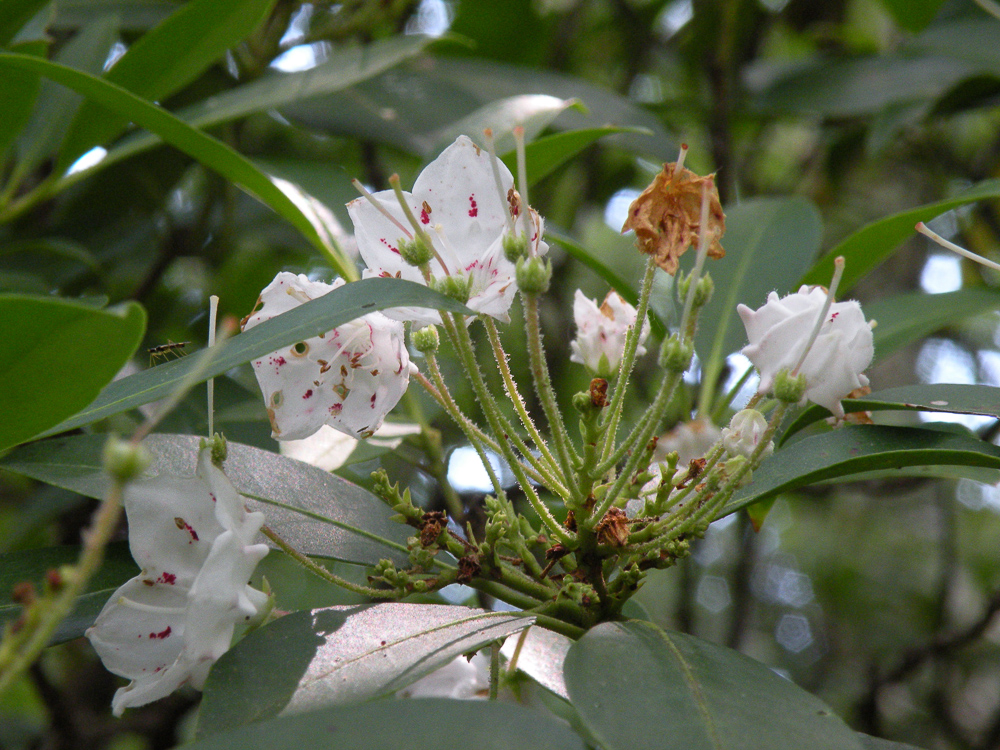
[212, 495]
[473, 206]
[308, 394]
[161, 635]
[386, 243]
[425, 213]
[373, 400]
[834, 316]
[336, 409]
[185, 526]
[168, 578]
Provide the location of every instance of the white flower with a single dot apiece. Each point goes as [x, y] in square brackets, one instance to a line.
[780, 330]
[461, 679]
[744, 432]
[329, 449]
[193, 539]
[348, 378]
[459, 204]
[601, 331]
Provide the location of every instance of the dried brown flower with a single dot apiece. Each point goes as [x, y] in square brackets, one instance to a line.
[667, 216]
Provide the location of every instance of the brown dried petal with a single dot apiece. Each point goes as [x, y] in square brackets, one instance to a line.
[667, 216]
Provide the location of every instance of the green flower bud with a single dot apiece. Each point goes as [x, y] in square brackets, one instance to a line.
[426, 340]
[703, 291]
[415, 251]
[123, 460]
[675, 355]
[789, 389]
[533, 275]
[455, 286]
[515, 247]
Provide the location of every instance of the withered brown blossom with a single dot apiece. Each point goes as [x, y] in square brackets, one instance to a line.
[667, 216]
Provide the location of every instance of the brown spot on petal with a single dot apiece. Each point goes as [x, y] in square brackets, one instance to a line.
[667, 216]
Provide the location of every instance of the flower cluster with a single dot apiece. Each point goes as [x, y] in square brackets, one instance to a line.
[194, 540]
[348, 378]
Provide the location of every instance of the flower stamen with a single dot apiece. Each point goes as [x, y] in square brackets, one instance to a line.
[922, 228]
[418, 230]
[380, 208]
[152, 608]
[494, 164]
[838, 272]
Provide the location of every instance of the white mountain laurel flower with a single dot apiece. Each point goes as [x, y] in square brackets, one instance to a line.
[600, 332]
[834, 365]
[459, 206]
[193, 538]
[744, 433]
[348, 378]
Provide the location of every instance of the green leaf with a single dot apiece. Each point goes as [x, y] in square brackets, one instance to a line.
[542, 656]
[20, 90]
[769, 242]
[207, 150]
[86, 51]
[913, 15]
[340, 306]
[906, 318]
[860, 448]
[972, 39]
[14, 14]
[533, 112]
[407, 107]
[637, 686]
[316, 512]
[32, 565]
[344, 68]
[625, 288]
[311, 660]
[871, 245]
[544, 155]
[877, 743]
[45, 342]
[163, 61]
[838, 88]
[430, 724]
[949, 398]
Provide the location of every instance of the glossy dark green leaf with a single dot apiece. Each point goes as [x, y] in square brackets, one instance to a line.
[326, 657]
[637, 686]
[14, 14]
[769, 243]
[949, 398]
[347, 303]
[860, 448]
[544, 155]
[214, 154]
[163, 61]
[46, 341]
[316, 512]
[871, 245]
[32, 565]
[972, 39]
[343, 68]
[430, 724]
[20, 90]
[913, 15]
[906, 318]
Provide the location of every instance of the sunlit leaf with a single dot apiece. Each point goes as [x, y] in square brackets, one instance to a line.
[637, 686]
[316, 512]
[56, 355]
[326, 657]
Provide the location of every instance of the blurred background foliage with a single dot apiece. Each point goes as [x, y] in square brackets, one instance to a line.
[877, 596]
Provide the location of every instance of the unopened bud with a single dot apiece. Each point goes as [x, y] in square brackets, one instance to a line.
[415, 251]
[789, 389]
[124, 460]
[703, 291]
[675, 355]
[454, 286]
[533, 275]
[426, 340]
[515, 247]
